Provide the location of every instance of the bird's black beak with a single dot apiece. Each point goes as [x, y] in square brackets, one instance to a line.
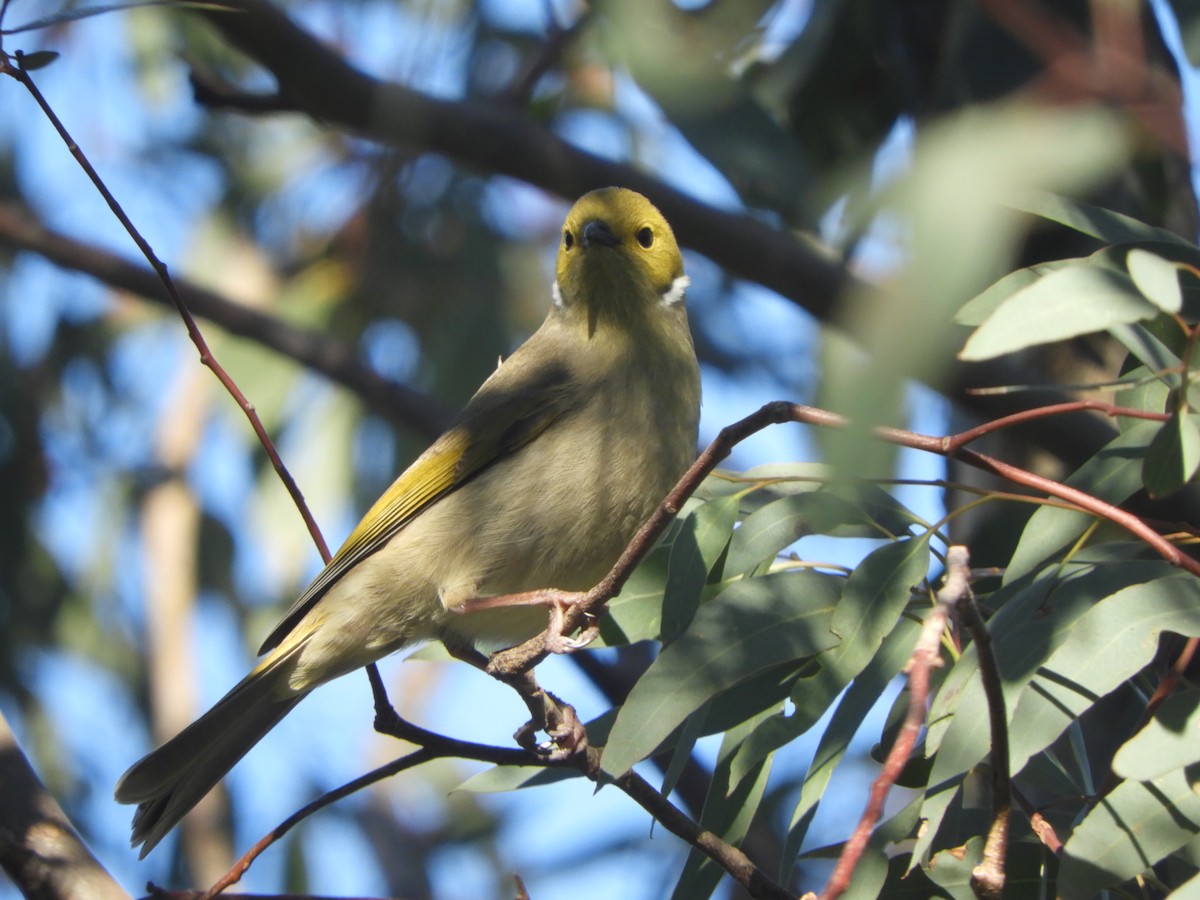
[598, 232]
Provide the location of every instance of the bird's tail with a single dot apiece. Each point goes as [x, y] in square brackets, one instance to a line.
[168, 782]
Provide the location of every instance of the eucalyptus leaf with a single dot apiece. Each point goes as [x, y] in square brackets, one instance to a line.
[1156, 278]
[695, 550]
[1107, 645]
[855, 703]
[1068, 302]
[1028, 628]
[976, 310]
[1103, 224]
[750, 626]
[875, 595]
[1173, 455]
[728, 811]
[501, 779]
[1113, 474]
[1171, 740]
[1148, 349]
[1130, 829]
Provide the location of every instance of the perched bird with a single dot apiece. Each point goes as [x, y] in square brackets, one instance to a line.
[540, 482]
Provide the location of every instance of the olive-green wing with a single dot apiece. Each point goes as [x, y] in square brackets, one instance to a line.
[506, 415]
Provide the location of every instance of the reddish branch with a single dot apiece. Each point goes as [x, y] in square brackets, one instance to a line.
[987, 878]
[160, 268]
[1112, 66]
[527, 655]
[925, 658]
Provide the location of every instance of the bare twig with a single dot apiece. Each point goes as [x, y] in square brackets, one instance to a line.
[319, 352]
[527, 655]
[160, 268]
[987, 879]
[1041, 828]
[925, 658]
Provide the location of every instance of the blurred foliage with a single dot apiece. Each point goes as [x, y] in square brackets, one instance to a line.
[932, 145]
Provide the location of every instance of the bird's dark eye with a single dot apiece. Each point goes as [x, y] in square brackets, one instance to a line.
[568, 240]
[645, 236]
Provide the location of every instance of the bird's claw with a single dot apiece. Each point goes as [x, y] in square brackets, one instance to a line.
[557, 641]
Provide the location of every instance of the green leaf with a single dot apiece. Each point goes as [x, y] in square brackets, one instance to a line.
[857, 701]
[774, 527]
[1156, 278]
[1173, 455]
[1170, 741]
[1147, 349]
[728, 812]
[1107, 645]
[1066, 303]
[1034, 620]
[1103, 224]
[1113, 474]
[750, 626]
[500, 779]
[1189, 890]
[697, 546]
[1129, 830]
[38, 59]
[976, 310]
[636, 613]
[875, 595]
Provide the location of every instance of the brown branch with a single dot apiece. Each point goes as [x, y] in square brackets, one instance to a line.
[247, 859]
[20, 229]
[437, 746]
[525, 656]
[1114, 67]
[730, 858]
[39, 849]
[925, 658]
[494, 139]
[160, 268]
[1038, 824]
[987, 879]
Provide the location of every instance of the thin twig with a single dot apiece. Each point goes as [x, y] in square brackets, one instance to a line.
[160, 268]
[320, 352]
[730, 858]
[925, 658]
[1038, 824]
[987, 879]
[527, 655]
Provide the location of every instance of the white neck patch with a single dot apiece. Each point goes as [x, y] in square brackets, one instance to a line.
[556, 294]
[674, 294]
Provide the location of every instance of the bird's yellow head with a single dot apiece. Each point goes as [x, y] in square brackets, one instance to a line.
[617, 258]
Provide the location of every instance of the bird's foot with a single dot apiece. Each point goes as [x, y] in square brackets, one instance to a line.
[568, 737]
[557, 638]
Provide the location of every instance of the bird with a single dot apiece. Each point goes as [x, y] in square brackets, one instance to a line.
[538, 483]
